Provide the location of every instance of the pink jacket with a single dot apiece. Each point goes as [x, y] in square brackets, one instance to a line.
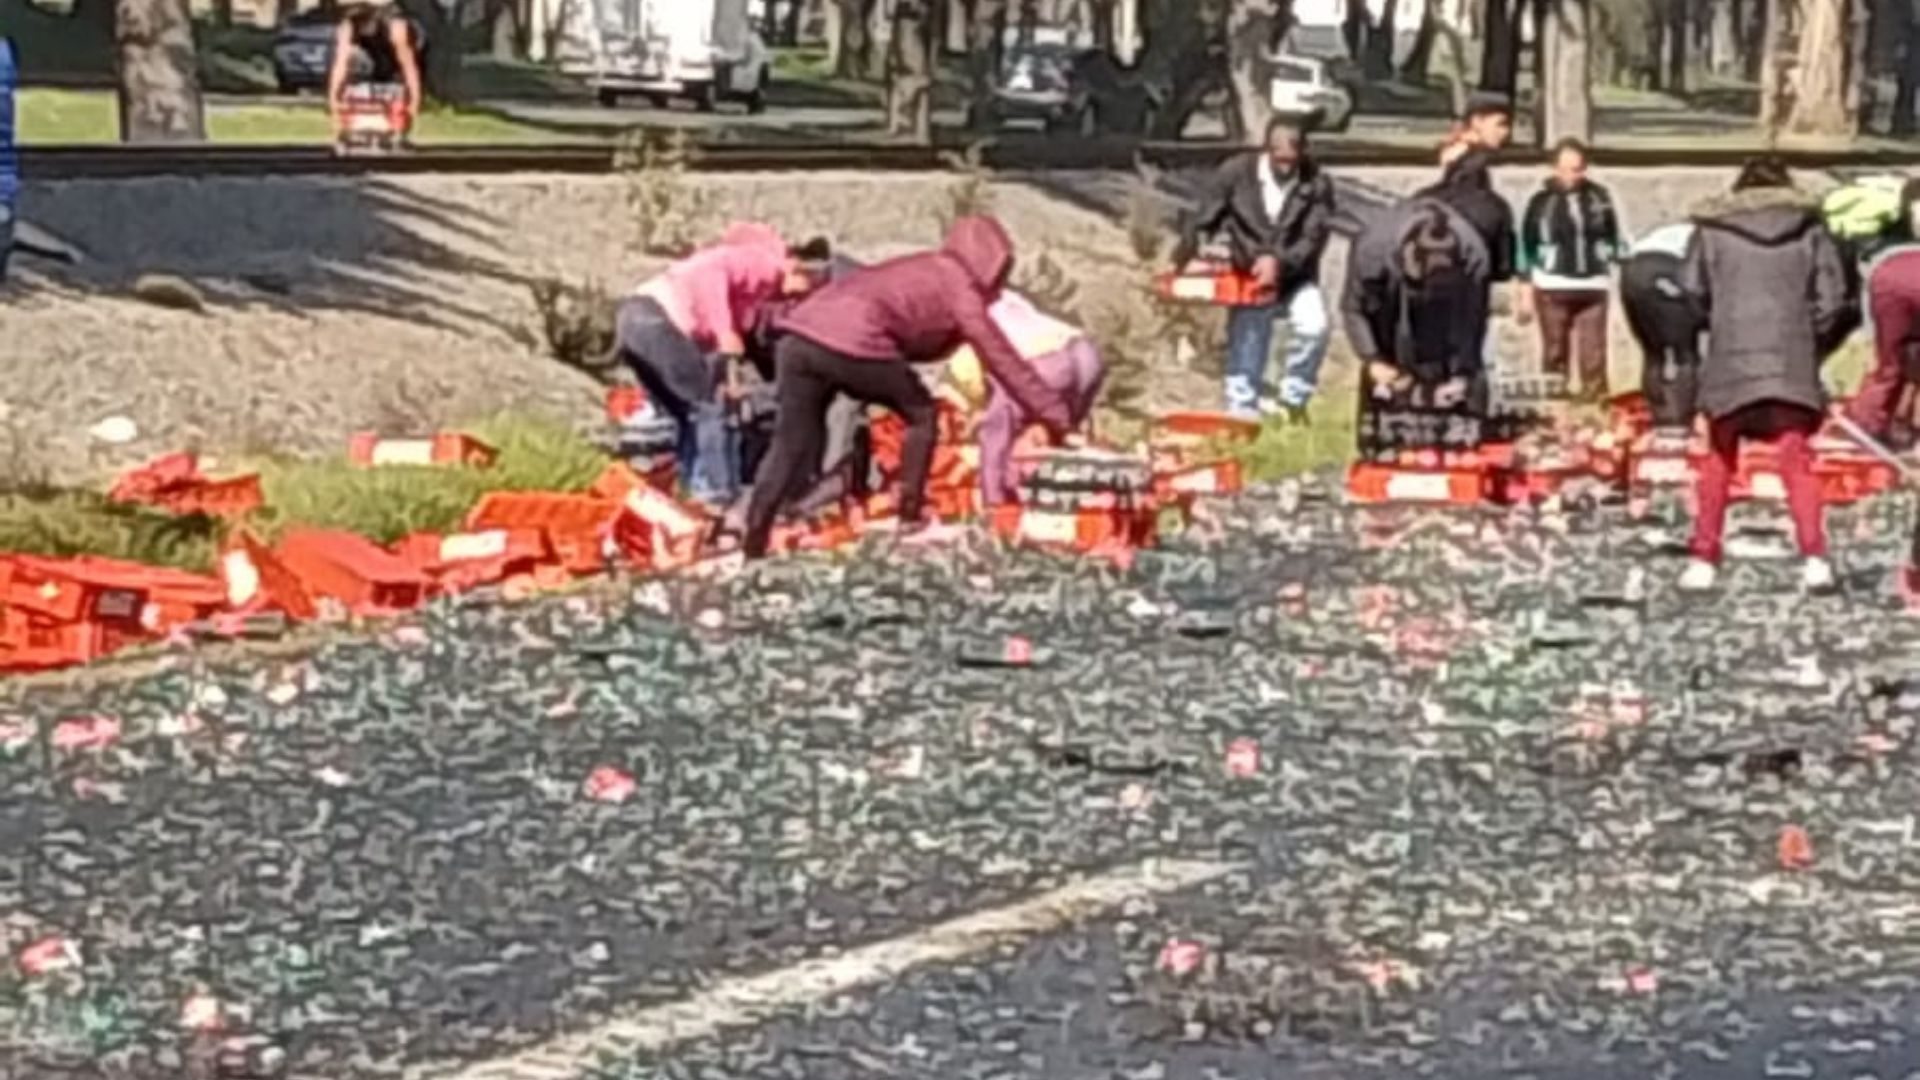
[711, 294]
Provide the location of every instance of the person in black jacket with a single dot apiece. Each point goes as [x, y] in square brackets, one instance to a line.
[1466, 178]
[1413, 305]
[1569, 241]
[1274, 209]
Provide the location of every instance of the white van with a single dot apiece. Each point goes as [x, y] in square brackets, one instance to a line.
[706, 51]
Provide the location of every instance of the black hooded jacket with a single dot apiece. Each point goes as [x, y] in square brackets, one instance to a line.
[1467, 187]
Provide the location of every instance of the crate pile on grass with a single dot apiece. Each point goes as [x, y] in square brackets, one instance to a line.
[403, 521]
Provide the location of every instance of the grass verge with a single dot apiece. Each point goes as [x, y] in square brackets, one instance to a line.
[56, 117]
[385, 504]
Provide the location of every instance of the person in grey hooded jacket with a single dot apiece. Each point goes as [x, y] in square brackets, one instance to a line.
[1774, 288]
[1415, 307]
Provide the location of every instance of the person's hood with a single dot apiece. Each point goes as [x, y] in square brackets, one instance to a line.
[982, 246]
[753, 234]
[1766, 216]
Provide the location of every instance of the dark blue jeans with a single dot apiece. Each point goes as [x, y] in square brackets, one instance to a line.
[685, 383]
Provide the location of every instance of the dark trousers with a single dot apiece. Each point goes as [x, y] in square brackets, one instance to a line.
[809, 379]
[1894, 298]
[686, 384]
[1667, 325]
[1573, 335]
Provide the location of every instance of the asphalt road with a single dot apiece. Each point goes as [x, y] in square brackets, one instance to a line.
[1395, 825]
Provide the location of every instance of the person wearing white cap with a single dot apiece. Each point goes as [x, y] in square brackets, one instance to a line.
[387, 40]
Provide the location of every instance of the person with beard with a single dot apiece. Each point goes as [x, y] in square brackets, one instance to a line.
[1274, 209]
[1774, 286]
[1415, 310]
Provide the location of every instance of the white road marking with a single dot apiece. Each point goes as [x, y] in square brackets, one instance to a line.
[743, 1001]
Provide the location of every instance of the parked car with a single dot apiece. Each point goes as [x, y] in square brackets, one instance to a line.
[303, 51]
[1307, 88]
[1039, 84]
[707, 51]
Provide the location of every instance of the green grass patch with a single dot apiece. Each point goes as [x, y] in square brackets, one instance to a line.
[384, 504]
[1283, 449]
[49, 116]
[388, 503]
[61, 524]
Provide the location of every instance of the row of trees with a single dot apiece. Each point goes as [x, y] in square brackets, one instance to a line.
[1819, 64]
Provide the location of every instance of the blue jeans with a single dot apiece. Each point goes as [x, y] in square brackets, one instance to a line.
[685, 383]
[1250, 345]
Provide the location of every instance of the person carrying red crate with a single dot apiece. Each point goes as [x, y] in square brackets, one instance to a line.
[680, 331]
[1275, 210]
[1774, 286]
[861, 337]
[371, 29]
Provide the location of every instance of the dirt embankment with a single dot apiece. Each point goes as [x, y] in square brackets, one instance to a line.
[336, 304]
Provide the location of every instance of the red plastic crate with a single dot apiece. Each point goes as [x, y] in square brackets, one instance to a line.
[349, 568]
[256, 580]
[1221, 285]
[447, 448]
[1082, 531]
[623, 402]
[576, 527]
[1370, 483]
[236, 497]
[655, 530]
[466, 560]
[1216, 478]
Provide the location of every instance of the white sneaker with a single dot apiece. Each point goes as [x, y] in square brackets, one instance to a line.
[1816, 575]
[1699, 576]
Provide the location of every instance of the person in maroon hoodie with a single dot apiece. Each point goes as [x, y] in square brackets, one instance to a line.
[861, 337]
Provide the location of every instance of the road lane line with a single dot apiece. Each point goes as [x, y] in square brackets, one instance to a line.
[739, 1002]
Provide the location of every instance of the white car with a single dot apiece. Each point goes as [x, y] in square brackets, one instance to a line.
[1304, 87]
[703, 50]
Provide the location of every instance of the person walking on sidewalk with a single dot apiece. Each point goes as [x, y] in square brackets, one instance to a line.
[1667, 323]
[1275, 209]
[1569, 239]
[861, 337]
[1893, 303]
[1773, 285]
[681, 329]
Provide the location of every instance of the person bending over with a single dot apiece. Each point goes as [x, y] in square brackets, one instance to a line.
[386, 39]
[1773, 285]
[681, 329]
[861, 338]
[1415, 307]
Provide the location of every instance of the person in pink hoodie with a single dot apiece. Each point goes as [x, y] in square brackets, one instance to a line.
[682, 327]
[861, 337]
[1062, 355]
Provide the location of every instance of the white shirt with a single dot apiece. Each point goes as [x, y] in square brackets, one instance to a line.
[1273, 191]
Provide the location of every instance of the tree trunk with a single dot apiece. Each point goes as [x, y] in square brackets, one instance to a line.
[1104, 13]
[1820, 74]
[1353, 28]
[1772, 85]
[1253, 26]
[910, 74]
[1678, 27]
[1723, 46]
[984, 32]
[1907, 80]
[442, 22]
[854, 41]
[878, 59]
[1861, 100]
[158, 73]
[506, 29]
[1500, 45]
[1380, 41]
[1566, 94]
[1420, 57]
[1758, 33]
[223, 13]
[1185, 58]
